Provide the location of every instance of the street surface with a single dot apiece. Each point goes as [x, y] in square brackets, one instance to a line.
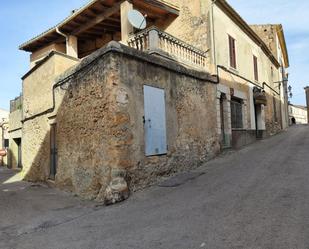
[254, 198]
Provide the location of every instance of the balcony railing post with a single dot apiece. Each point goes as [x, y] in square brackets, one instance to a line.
[154, 40]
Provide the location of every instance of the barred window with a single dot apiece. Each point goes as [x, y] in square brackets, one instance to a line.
[236, 113]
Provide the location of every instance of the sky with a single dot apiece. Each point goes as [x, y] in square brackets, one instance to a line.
[294, 17]
[22, 20]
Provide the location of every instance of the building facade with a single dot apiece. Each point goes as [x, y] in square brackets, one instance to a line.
[252, 96]
[298, 114]
[15, 134]
[107, 108]
[4, 139]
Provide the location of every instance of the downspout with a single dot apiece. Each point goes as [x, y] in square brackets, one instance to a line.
[65, 36]
[213, 41]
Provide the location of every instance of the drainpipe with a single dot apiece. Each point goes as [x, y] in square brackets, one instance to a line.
[65, 36]
[71, 43]
[213, 41]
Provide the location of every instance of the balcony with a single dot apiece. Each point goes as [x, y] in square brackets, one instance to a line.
[155, 41]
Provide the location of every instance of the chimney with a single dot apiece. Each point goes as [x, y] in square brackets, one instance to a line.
[307, 98]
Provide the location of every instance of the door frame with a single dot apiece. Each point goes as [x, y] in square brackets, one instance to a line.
[53, 151]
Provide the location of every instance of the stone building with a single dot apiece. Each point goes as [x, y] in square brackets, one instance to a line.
[107, 108]
[15, 134]
[298, 114]
[273, 36]
[251, 96]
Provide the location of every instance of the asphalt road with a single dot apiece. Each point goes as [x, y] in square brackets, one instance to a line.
[254, 198]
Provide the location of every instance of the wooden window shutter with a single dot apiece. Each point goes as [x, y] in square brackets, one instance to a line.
[255, 65]
[232, 50]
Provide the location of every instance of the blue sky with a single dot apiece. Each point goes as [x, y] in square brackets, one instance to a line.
[295, 19]
[22, 20]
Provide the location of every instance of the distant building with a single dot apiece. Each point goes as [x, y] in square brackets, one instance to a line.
[298, 114]
[4, 139]
[15, 134]
[307, 98]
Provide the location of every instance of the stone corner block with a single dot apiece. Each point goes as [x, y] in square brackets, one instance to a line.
[116, 191]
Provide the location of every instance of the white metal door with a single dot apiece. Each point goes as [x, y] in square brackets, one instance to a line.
[155, 121]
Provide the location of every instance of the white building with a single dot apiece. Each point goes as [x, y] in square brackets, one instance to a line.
[298, 114]
[4, 116]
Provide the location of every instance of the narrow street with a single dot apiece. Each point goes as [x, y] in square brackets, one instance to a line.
[254, 198]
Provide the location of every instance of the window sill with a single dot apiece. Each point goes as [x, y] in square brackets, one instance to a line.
[234, 70]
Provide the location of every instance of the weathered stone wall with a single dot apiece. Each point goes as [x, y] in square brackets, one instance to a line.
[192, 25]
[100, 131]
[191, 120]
[273, 115]
[268, 34]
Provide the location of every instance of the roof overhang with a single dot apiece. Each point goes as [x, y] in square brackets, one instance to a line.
[98, 17]
[282, 42]
[228, 9]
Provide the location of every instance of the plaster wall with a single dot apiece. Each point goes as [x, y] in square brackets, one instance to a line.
[38, 85]
[41, 53]
[37, 101]
[245, 49]
[15, 120]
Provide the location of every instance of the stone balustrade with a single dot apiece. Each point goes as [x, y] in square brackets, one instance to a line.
[154, 40]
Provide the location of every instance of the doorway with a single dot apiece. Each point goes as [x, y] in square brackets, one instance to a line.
[223, 139]
[53, 151]
[19, 155]
[154, 121]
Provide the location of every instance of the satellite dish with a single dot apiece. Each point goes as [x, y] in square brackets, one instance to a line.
[137, 19]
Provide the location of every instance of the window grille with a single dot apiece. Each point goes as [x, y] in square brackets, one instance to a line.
[236, 114]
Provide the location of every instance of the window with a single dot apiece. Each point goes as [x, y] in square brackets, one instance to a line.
[236, 113]
[232, 50]
[6, 143]
[255, 65]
